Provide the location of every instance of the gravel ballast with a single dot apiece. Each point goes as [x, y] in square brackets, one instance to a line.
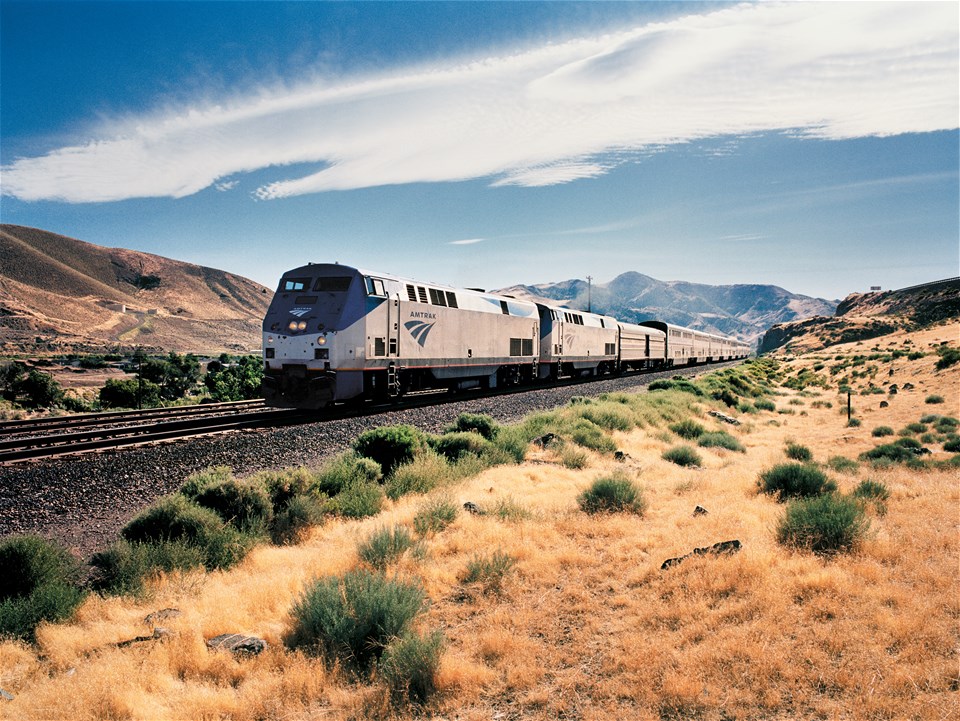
[83, 501]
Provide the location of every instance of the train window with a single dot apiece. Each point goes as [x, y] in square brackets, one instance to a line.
[375, 287]
[452, 299]
[334, 284]
[609, 348]
[438, 297]
[504, 309]
[521, 346]
[579, 320]
[411, 293]
[294, 284]
[527, 346]
[422, 292]
[379, 347]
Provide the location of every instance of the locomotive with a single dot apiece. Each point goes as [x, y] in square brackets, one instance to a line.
[334, 333]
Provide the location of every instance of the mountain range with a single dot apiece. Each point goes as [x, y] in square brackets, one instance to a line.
[741, 311]
[61, 295]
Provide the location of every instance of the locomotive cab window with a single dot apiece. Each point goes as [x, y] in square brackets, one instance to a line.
[294, 284]
[375, 287]
[336, 284]
[438, 297]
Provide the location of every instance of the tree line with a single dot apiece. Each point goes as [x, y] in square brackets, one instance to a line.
[156, 381]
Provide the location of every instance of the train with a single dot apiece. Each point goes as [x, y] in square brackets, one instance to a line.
[334, 333]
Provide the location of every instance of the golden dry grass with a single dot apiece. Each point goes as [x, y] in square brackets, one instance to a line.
[586, 626]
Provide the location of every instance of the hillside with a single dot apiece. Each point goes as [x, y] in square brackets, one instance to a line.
[867, 315]
[59, 294]
[742, 311]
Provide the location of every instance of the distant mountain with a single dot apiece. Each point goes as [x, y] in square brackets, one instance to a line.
[59, 294]
[860, 316]
[741, 311]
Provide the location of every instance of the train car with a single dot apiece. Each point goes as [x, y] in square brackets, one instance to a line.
[686, 346]
[576, 343]
[335, 333]
[641, 347]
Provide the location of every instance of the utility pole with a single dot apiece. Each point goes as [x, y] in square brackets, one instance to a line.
[589, 293]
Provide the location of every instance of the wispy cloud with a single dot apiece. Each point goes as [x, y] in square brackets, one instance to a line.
[466, 241]
[548, 115]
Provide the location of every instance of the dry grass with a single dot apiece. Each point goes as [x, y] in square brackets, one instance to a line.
[586, 625]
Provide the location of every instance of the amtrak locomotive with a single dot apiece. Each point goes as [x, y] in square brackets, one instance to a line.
[334, 333]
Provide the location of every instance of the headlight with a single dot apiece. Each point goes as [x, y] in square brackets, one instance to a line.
[302, 325]
[321, 340]
[293, 325]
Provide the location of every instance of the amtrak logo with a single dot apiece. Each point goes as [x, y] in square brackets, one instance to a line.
[299, 312]
[419, 330]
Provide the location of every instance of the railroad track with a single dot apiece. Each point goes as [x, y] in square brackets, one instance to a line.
[50, 437]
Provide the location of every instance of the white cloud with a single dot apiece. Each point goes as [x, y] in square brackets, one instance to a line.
[466, 241]
[548, 115]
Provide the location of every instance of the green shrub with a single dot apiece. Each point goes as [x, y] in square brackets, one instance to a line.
[295, 518]
[434, 516]
[902, 450]
[788, 480]
[683, 456]
[409, 666]
[609, 415]
[840, 464]
[346, 470]
[797, 452]
[881, 431]
[913, 428]
[385, 546]
[675, 385]
[508, 509]
[426, 472]
[588, 434]
[612, 494]
[948, 357]
[952, 445]
[513, 441]
[488, 571]
[198, 481]
[720, 439]
[353, 617]
[455, 444]
[933, 399]
[40, 582]
[875, 492]
[762, 404]
[358, 500]
[747, 407]
[946, 424]
[688, 429]
[573, 458]
[854, 423]
[124, 567]
[824, 524]
[244, 505]
[390, 446]
[475, 423]
[284, 485]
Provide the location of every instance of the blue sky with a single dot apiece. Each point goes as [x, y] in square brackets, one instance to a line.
[808, 145]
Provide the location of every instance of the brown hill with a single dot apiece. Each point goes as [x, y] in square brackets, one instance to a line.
[59, 294]
[868, 315]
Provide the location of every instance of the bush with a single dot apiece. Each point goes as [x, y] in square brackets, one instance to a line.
[720, 439]
[507, 509]
[875, 491]
[390, 446]
[902, 450]
[347, 470]
[825, 524]
[934, 399]
[762, 404]
[952, 445]
[854, 423]
[243, 505]
[881, 431]
[40, 583]
[840, 464]
[409, 666]
[475, 423]
[588, 434]
[354, 617]
[675, 385]
[788, 480]
[197, 482]
[359, 500]
[913, 428]
[612, 494]
[948, 357]
[573, 458]
[426, 472]
[797, 452]
[683, 456]
[294, 518]
[688, 429]
[282, 486]
[434, 516]
[124, 567]
[946, 424]
[177, 519]
[385, 546]
[488, 572]
[609, 415]
[455, 444]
